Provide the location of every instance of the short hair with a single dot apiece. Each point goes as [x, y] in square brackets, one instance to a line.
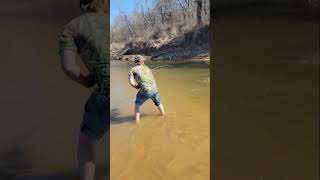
[137, 58]
[93, 5]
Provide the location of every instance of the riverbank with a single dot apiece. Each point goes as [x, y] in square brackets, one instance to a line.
[192, 46]
[200, 59]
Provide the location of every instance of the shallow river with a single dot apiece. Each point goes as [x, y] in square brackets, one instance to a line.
[175, 146]
[265, 114]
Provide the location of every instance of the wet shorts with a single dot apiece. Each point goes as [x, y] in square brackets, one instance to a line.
[142, 97]
[96, 120]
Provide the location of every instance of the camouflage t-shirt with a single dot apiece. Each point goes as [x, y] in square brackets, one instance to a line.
[144, 77]
[88, 35]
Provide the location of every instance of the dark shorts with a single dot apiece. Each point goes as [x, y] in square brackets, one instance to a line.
[96, 120]
[143, 96]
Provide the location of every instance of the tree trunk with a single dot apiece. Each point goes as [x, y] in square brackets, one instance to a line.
[128, 25]
[162, 15]
[183, 11]
[205, 8]
[149, 14]
[199, 10]
[144, 18]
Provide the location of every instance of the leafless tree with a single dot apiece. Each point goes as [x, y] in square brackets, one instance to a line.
[199, 11]
[166, 17]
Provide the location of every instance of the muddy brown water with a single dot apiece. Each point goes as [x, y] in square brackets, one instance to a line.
[265, 116]
[175, 146]
[41, 111]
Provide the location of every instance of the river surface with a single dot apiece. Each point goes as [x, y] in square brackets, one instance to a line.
[174, 146]
[265, 100]
[265, 117]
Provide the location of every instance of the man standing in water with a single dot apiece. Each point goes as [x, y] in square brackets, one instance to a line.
[88, 36]
[141, 77]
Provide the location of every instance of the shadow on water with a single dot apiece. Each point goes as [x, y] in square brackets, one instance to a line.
[14, 166]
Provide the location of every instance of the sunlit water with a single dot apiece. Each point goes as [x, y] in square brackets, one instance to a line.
[265, 117]
[175, 146]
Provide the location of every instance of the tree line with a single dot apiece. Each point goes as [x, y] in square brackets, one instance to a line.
[154, 18]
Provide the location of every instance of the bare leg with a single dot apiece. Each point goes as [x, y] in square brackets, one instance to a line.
[161, 109]
[137, 112]
[85, 157]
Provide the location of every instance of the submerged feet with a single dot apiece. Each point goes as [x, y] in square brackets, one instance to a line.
[161, 109]
[137, 115]
[137, 112]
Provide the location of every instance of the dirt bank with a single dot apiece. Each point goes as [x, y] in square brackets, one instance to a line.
[191, 46]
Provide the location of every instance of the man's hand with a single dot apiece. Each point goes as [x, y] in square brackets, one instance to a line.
[72, 69]
[137, 86]
[88, 80]
[133, 83]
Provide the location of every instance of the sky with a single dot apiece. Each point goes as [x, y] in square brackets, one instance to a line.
[48, 7]
[116, 6]
[127, 6]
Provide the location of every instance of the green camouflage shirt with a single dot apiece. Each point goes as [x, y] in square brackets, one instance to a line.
[144, 77]
[88, 35]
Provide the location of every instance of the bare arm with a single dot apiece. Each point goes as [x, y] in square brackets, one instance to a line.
[133, 83]
[72, 69]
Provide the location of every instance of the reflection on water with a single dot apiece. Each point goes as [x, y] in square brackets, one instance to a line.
[175, 146]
